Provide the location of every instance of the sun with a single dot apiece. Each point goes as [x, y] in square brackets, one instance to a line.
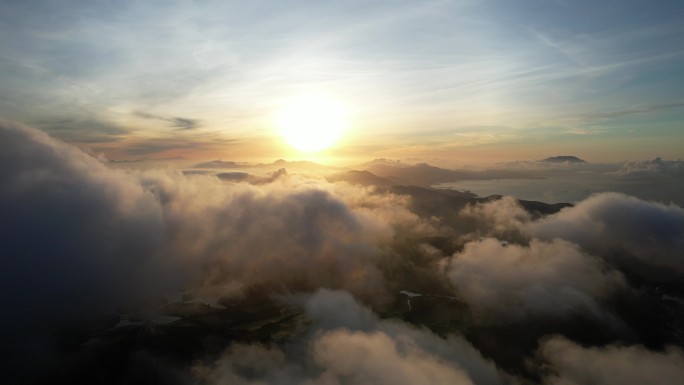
[312, 123]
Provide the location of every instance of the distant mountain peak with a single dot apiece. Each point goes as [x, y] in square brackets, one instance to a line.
[384, 162]
[217, 164]
[563, 159]
[365, 178]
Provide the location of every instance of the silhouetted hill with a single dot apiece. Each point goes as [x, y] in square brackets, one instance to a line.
[300, 165]
[446, 204]
[363, 178]
[423, 174]
[218, 164]
[381, 162]
[563, 159]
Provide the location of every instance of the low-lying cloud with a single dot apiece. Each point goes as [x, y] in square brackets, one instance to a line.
[651, 168]
[543, 278]
[357, 349]
[572, 364]
[602, 224]
[81, 239]
[652, 232]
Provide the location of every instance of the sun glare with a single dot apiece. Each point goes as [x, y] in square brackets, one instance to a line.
[312, 123]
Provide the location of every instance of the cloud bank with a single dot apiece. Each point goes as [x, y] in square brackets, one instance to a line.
[80, 240]
[573, 364]
[548, 278]
[357, 349]
[602, 224]
[652, 232]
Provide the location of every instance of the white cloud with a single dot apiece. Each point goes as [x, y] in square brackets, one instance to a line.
[606, 222]
[545, 278]
[359, 349]
[655, 166]
[572, 364]
[601, 224]
[80, 238]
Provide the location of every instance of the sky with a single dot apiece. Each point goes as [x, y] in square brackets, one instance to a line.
[470, 81]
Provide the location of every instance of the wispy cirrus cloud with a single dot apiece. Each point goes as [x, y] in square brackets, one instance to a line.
[177, 122]
[404, 69]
